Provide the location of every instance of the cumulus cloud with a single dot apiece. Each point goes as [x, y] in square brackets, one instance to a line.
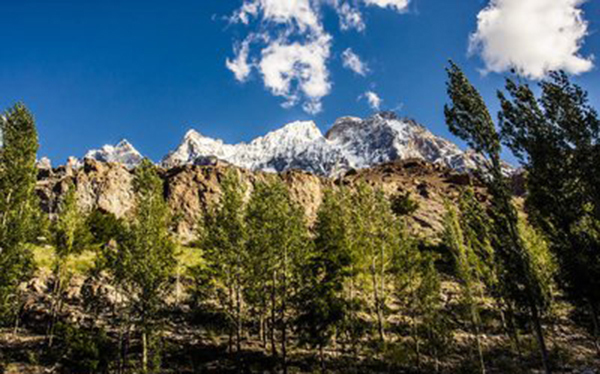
[350, 17]
[282, 64]
[240, 66]
[288, 46]
[351, 61]
[533, 37]
[297, 13]
[373, 99]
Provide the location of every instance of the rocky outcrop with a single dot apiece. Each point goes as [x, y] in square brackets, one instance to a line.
[191, 190]
[104, 186]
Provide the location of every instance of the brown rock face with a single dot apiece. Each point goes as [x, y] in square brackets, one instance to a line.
[191, 190]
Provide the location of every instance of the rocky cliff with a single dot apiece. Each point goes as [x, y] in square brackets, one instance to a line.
[191, 189]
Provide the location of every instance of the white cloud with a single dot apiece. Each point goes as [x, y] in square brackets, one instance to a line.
[350, 17]
[298, 13]
[398, 5]
[240, 66]
[351, 61]
[532, 36]
[373, 99]
[284, 64]
[289, 47]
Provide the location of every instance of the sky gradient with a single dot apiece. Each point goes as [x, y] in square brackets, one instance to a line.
[96, 72]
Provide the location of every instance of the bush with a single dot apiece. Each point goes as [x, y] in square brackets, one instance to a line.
[84, 350]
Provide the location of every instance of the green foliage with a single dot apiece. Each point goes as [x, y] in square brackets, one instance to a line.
[18, 202]
[468, 269]
[469, 119]
[224, 240]
[84, 350]
[468, 116]
[376, 239]
[69, 231]
[557, 139]
[404, 205]
[321, 305]
[278, 245]
[543, 263]
[144, 260]
[104, 227]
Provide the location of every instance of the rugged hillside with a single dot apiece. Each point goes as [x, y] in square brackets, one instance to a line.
[191, 189]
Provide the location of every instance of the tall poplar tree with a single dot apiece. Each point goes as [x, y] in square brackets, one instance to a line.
[556, 137]
[69, 236]
[321, 304]
[278, 245]
[145, 260]
[469, 119]
[376, 238]
[467, 269]
[18, 203]
[224, 240]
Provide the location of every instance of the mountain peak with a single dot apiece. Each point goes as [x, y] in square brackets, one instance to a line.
[387, 115]
[305, 129]
[192, 134]
[350, 143]
[124, 143]
[123, 152]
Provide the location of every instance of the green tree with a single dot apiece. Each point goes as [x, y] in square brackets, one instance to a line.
[429, 306]
[223, 240]
[321, 304]
[69, 236]
[145, 259]
[278, 245]
[557, 139]
[18, 203]
[467, 270]
[469, 119]
[376, 235]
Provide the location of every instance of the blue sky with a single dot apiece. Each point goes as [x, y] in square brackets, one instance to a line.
[95, 72]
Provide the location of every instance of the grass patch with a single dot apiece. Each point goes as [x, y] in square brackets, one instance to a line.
[189, 257]
[44, 258]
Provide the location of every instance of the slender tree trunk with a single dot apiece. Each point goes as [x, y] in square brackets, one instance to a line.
[57, 294]
[17, 320]
[273, 316]
[238, 321]
[414, 332]
[352, 315]
[540, 338]
[596, 324]
[513, 331]
[120, 349]
[261, 330]
[322, 358]
[144, 351]
[478, 338]
[283, 316]
[378, 310]
[231, 317]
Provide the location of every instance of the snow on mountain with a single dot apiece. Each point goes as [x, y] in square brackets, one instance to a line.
[123, 153]
[350, 143]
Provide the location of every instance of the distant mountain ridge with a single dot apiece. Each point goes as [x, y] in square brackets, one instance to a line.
[351, 143]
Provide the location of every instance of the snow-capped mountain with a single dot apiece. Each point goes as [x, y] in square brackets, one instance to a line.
[350, 143]
[123, 153]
